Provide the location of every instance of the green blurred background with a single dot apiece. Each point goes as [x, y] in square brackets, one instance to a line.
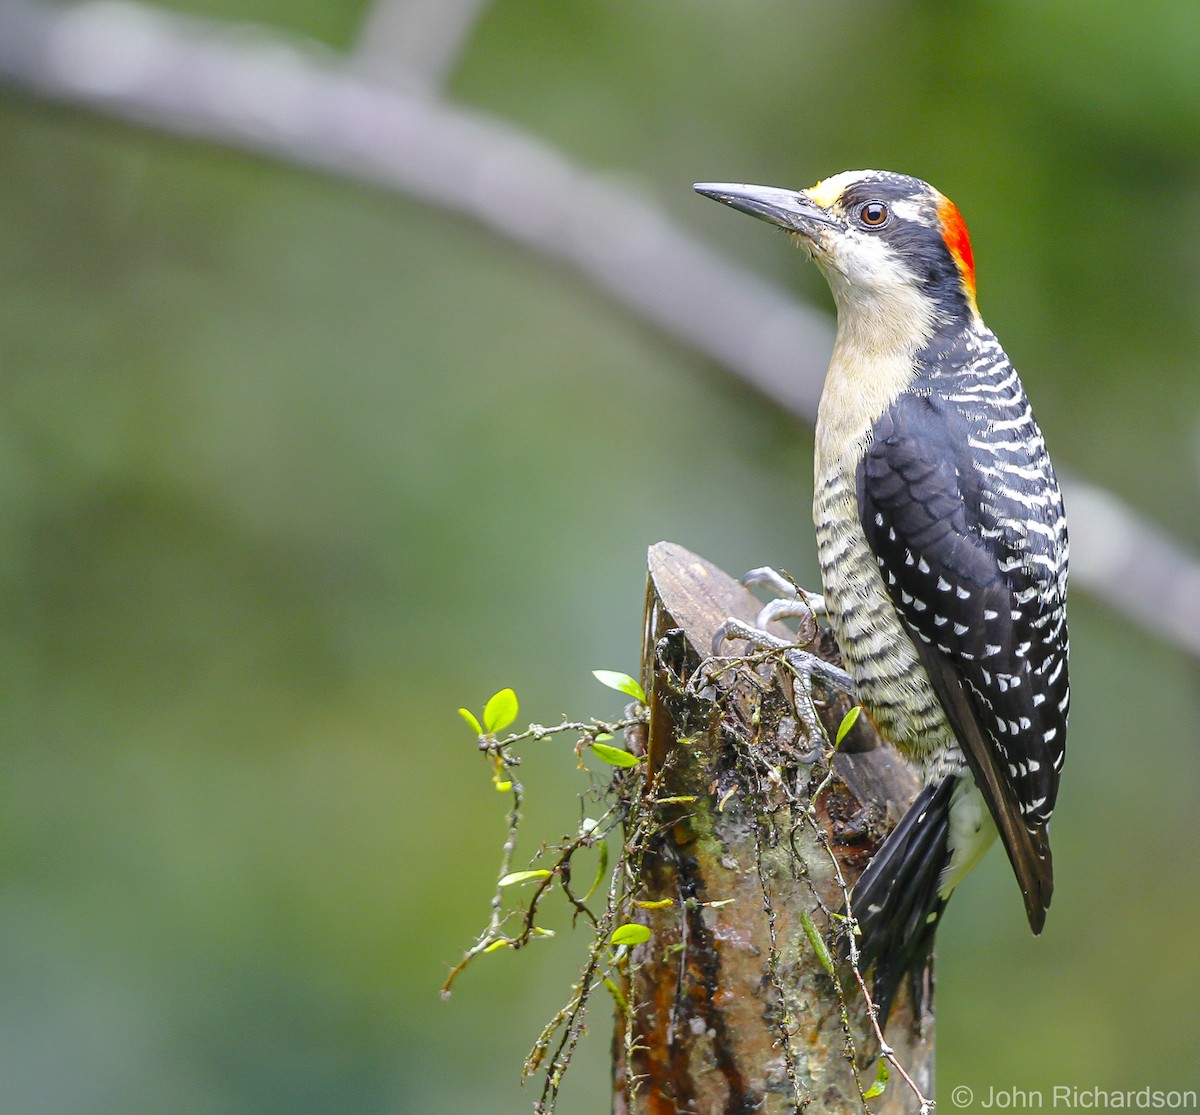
[290, 469]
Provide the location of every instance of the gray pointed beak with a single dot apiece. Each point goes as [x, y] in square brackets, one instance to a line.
[785, 208]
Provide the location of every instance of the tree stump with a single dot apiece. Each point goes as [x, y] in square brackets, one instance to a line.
[731, 1004]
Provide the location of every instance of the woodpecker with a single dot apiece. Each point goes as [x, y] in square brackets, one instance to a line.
[943, 550]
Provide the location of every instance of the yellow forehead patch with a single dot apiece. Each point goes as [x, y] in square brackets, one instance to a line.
[823, 193]
[826, 192]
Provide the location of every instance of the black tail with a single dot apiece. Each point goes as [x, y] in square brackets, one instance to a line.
[896, 901]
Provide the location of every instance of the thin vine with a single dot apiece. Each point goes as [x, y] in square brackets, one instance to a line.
[780, 779]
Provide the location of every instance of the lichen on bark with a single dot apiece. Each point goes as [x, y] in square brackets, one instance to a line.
[741, 1000]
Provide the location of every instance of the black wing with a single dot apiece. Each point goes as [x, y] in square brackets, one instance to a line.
[971, 558]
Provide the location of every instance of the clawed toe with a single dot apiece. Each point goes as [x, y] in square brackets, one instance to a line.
[792, 602]
[803, 665]
[792, 608]
[736, 629]
[766, 577]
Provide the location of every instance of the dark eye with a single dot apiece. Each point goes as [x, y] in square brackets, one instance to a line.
[874, 214]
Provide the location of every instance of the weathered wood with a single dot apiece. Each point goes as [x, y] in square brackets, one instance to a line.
[733, 1011]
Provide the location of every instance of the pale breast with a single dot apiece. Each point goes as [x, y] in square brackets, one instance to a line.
[892, 684]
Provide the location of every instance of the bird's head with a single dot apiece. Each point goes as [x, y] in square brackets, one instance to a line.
[880, 238]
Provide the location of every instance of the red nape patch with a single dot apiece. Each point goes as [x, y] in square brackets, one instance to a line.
[954, 232]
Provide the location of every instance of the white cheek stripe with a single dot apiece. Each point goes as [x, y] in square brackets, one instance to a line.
[907, 209]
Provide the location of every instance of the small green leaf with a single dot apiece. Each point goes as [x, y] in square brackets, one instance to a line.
[500, 711]
[881, 1079]
[848, 722]
[514, 877]
[599, 871]
[630, 934]
[614, 756]
[817, 942]
[469, 717]
[656, 904]
[497, 945]
[622, 683]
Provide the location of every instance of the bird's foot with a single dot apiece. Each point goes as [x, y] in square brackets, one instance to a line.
[803, 665]
[791, 602]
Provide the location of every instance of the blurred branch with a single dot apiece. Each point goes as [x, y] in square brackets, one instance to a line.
[415, 42]
[259, 91]
[262, 92]
[1133, 565]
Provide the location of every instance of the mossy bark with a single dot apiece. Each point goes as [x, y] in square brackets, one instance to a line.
[740, 1001]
